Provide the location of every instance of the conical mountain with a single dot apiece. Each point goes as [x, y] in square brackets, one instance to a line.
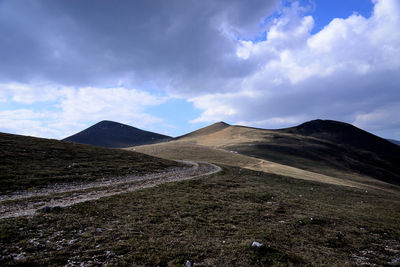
[116, 135]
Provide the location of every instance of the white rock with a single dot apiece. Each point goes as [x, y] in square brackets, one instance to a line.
[256, 244]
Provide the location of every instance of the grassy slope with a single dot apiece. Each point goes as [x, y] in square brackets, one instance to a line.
[27, 162]
[212, 221]
[216, 127]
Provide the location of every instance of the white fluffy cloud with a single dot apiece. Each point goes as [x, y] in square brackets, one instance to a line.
[348, 71]
[26, 122]
[108, 103]
[31, 93]
[69, 110]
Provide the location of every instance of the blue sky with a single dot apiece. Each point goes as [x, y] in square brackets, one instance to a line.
[325, 11]
[175, 67]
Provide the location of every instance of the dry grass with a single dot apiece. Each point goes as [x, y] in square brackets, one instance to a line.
[216, 127]
[229, 136]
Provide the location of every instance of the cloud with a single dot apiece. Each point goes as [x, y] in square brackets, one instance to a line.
[69, 55]
[3, 96]
[180, 45]
[28, 93]
[380, 119]
[348, 71]
[120, 104]
[71, 109]
[25, 122]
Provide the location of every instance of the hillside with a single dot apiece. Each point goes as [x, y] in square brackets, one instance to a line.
[318, 144]
[115, 135]
[211, 220]
[216, 127]
[29, 162]
[327, 147]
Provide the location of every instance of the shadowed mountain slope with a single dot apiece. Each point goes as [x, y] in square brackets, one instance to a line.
[345, 134]
[321, 145]
[116, 135]
[29, 162]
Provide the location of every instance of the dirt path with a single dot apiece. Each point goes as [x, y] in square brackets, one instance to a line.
[29, 202]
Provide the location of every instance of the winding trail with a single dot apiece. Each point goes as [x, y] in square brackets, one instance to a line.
[27, 203]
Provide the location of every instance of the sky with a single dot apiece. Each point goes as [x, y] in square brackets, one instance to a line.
[175, 66]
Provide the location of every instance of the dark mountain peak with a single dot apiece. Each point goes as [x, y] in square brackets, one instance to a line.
[320, 126]
[105, 124]
[111, 123]
[345, 134]
[114, 134]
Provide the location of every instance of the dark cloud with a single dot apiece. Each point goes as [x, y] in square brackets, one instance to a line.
[172, 43]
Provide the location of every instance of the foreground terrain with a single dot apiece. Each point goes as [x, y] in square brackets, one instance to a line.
[308, 195]
[212, 221]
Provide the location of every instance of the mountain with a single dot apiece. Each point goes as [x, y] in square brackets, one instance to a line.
[116, 135]
[344, 134]
[396, 142]
[327, 147]
[323, 145]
